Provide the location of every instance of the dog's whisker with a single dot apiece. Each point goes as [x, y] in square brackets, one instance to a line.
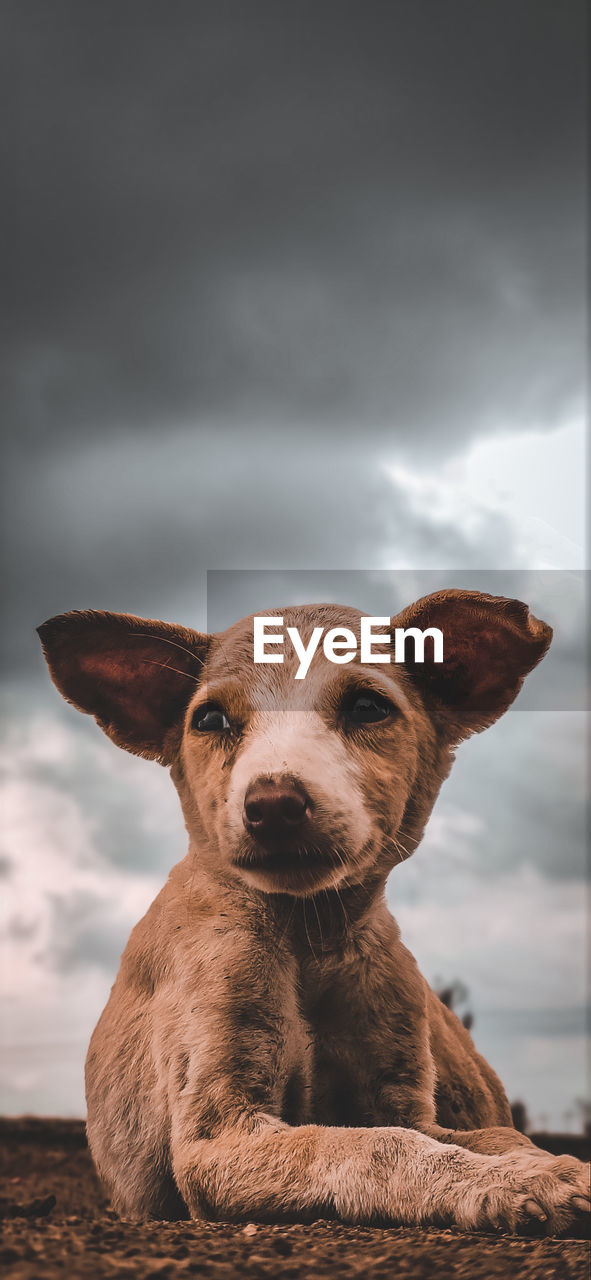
[166, 640]
[400, 848]
[319, 924]
[307, 931]
[151, 662]
[341, 904]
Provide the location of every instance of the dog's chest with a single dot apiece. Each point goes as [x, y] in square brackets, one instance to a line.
[336, 1064]
[324, 1082]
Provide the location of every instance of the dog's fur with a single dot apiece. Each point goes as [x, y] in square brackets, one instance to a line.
[270, 1049]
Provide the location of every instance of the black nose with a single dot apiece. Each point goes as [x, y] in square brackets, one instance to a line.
[274, 806]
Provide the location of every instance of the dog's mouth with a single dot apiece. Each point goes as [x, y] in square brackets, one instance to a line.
[276, 859]
[287, 865]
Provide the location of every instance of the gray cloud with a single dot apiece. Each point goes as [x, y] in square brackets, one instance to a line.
[135, 529]
[524, 782]
[559, 1021]
[296, 217]
[257, 251]
[83, 935]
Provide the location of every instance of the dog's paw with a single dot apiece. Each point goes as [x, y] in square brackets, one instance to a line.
[524, 1191]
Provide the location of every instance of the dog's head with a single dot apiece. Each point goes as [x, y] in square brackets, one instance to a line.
[299, 785]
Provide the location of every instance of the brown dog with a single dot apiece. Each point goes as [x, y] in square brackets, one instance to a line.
[269, 1048]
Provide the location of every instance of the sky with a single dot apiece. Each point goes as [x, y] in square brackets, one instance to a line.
[294, 287]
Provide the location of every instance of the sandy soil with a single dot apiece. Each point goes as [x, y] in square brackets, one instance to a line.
[57, 1223]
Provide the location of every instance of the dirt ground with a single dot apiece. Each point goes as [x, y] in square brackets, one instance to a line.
[56, 1222]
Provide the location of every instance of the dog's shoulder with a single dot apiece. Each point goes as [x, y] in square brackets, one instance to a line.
[469, 1094]
[185, 903]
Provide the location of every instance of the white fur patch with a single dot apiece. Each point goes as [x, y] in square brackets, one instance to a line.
[299, 743]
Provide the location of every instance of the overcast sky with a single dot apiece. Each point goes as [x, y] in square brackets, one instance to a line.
[294, 286]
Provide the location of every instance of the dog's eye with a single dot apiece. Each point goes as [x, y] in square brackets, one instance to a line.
[210, 719]
[368, 708]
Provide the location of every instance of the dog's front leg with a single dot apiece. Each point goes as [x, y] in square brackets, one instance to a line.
[490, 1142]
[262, 1168]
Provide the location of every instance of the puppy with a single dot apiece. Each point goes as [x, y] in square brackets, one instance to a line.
[269, 1049]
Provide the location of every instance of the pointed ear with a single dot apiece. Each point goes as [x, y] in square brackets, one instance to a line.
[134, 675]
[489, 646]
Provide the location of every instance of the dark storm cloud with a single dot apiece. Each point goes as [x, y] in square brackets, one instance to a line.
[133, 528]
[332, 214]
[257, 248]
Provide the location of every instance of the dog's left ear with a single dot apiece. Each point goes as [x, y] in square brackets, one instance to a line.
[489, 646]
[134, 675]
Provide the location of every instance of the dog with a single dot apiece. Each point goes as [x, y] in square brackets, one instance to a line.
[270, 1049]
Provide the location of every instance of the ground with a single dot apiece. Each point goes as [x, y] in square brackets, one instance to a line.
[58, 1223]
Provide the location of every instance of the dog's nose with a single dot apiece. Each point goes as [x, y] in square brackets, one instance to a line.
[274, 805]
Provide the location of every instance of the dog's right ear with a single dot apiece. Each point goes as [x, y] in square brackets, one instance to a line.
[490, 643]
[134, 675]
